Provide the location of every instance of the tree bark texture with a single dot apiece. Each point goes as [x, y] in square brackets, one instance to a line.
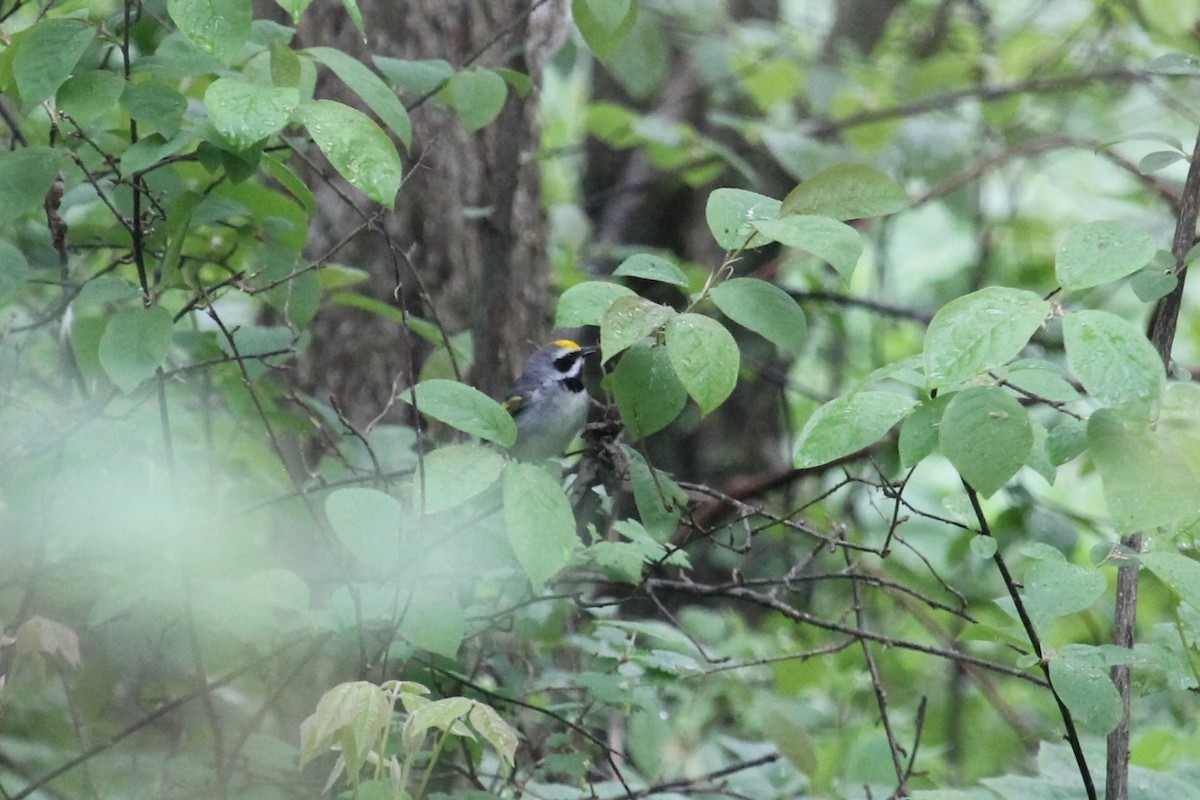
[468, 219]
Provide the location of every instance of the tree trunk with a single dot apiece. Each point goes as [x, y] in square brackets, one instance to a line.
[468, 237]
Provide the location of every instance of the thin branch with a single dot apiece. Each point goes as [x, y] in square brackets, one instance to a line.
[1162, 335]
[877, 684]
[919, 729]
[1166, 312]
[475, 56]
[156, 714]
[742, 593]
[1035, 641]
[887, 310]
[938, 102]
[707, 778]
[554, 715]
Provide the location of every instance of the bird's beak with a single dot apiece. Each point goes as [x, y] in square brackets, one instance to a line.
[589, 349]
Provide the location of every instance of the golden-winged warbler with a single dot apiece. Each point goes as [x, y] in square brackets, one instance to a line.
[548, 402]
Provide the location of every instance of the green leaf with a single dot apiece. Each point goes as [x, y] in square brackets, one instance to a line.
[919, 433]
[846, 191]
[217, 27]
[295, 8]
[1066, 440]
[441, 714]
[1086, 689]
[987, 437]
[367, 523]
[352, 715]
[601, 39]
[286, 69]
[705, 357]
[135, 344]
[1180, 573]
[179, 223]
[1144, 136]
[464, 408]
[521, 82]
[1039, 454]
[1152, 284]
[46, 56]
[416, 77]
[1057, 588]
[609, 13]
[651, 268]
[245, 112]
[1175, 64]
[627, 321]
[828, 239]
[539, 521]
[640, 60]
[477, 94]
[42, 636]
[772, 82]
[355, 15]
[1148, 483]
[984, 547]
[105, 289]
[25, 177]
[648, 393]
[272, 344]
[763, 308]
[653, 552]
[494, 730]
[1114, 361]
[1041, 378]
[980, 331]
[14, 270]
[612, 124]
[660, 501]
[788, 731]
[731, 214]
[433, 619]
[847, 424]
[284, 176]
[90, 95]
[1159, 159]
[356, 147]
[1100, 252]
[152, 149]
[157, 108]
[585, 303]
[619, 561]
[370, 87]
[456, 473]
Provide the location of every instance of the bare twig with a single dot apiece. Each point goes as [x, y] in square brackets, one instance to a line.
[156, 714]
[937, 102]
[877, 685]
[1035, 641]
[765, 601]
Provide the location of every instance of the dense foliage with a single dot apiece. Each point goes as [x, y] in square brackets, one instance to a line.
[954, 555]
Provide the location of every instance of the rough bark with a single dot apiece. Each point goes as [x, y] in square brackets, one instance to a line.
[468, 221]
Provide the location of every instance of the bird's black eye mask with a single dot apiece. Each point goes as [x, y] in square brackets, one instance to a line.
[564, 362]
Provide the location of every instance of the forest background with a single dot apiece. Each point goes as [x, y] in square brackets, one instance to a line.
[893, 480]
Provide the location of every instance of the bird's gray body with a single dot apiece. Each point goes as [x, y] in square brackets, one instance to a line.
[548, 402]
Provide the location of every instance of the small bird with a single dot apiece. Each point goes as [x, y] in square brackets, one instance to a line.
[548, 402]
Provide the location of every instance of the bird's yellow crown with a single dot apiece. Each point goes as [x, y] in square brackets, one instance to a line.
[566, 344]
